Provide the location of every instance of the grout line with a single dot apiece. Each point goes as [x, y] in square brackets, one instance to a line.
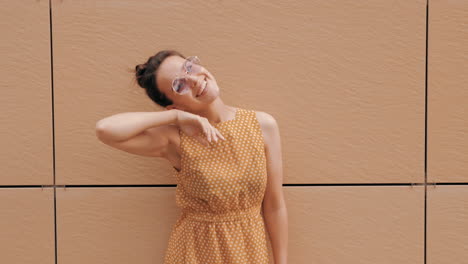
[425, 135]
[174, 185]
[53, 128]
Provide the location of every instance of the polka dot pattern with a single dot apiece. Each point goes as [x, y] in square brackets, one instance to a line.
[220, 189]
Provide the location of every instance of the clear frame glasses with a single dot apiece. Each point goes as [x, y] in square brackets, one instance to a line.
[191, 65]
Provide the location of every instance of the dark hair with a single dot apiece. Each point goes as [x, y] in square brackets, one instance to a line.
[146, 76]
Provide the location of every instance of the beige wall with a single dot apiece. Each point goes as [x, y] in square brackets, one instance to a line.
[344, 79]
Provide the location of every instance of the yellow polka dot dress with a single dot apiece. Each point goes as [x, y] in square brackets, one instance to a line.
[220, 190]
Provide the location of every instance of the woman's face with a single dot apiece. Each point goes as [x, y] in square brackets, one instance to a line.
[173, 66]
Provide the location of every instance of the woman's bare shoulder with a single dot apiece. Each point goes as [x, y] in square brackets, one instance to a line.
[266, 120]
[268, 125]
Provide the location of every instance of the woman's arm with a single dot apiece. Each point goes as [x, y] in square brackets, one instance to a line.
[274, 206]
[123, 126]
[140, 133]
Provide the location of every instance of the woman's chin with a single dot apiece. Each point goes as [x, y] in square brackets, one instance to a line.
[213, 93]
[209, 97]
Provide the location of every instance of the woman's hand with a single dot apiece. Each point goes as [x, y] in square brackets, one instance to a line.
[197, 127]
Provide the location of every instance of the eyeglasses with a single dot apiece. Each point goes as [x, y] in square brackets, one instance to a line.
[191, 65]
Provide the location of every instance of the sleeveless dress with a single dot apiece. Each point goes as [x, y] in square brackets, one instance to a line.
[220, 190]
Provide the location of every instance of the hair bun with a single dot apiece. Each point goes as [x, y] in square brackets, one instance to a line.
[140, 69]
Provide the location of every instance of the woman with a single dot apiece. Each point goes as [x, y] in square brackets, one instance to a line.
[227, 162]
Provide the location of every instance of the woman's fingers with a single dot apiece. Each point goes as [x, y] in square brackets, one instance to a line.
[214, 135]
[209, 133]
[219, 133]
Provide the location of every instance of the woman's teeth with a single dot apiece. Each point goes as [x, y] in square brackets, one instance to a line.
[203, 88]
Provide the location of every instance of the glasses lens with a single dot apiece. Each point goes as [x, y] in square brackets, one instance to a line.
[180, 85]
[192, 64]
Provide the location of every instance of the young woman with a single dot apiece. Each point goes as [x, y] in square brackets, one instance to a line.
[227, 163]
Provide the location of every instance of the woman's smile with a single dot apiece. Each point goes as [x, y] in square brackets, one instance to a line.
[203, 89]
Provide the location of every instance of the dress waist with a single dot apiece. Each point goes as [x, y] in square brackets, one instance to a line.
[251, 213]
